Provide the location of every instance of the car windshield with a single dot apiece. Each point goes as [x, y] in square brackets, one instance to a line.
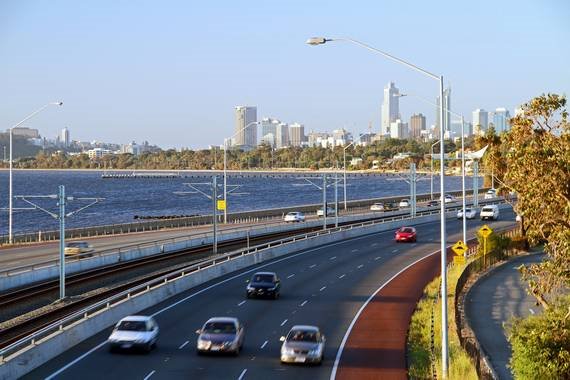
[487, 209]
[75, 245]
[468, 210]
[132, 326]
[302, 336]
[220, 328]
[262, 278]
[292, 214]
[406, 229]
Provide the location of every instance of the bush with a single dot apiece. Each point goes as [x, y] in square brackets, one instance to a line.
[541, 343]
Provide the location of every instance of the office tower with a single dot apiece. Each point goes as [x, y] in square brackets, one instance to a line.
[399, 130]
[269, 125]
[390, 108]
[446, 107]
[268, 139]
[245, 129]
[64, 139]
[282, 135]
[501, 119]
[417, 125]
[480, 121]
[315, 139]
[296, 134]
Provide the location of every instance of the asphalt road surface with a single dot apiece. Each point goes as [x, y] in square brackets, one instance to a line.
[324, 286]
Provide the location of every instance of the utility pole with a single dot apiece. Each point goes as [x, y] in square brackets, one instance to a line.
[475, 183]
[324, 202]
[61, 241]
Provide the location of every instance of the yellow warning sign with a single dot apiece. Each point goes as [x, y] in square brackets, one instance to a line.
[459, 248]
[459, 260]
[221, 204]
[485, 231]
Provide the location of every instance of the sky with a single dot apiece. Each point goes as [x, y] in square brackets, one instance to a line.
[171, 72]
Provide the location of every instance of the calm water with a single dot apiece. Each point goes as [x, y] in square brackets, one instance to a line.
[125, 198]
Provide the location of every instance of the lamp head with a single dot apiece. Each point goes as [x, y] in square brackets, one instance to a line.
[316, 41]
[57, 103]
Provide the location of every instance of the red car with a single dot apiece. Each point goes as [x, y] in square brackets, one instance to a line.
[406, 234]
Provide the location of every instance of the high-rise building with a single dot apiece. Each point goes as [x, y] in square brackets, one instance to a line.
[64, 139]
[296, 134]
[417, 125]
[399, 130]
[268, 139]
[446, 107]
[390, 108]
[480, 121]
[319, 139]
[245, 129]
[282, 135]
[341, 137]
[269, 125]
[501, 119]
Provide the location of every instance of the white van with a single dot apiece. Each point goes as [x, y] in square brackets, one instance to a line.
[490, 212]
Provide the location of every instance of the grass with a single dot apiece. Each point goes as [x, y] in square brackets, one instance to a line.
[419, 335]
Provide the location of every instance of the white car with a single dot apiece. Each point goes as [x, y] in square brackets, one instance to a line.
[470, 213]
[330, 211]
[490, 194]
[303, 344]
[377, 207]
[294, 217]
[135, 331]
[449, 198]
[404, 203]
[490, 212]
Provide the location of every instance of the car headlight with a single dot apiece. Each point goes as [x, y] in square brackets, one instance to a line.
[249, 287]
[204, 344]
[286, 351]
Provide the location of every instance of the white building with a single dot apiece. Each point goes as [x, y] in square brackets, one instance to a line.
[98, 153]
[296, 134]
[268, 139]
[480, 121]
[246, 116]
[390, 108]
[317, 138]
[399, 130]
[64, 138]
[282, 135]
[341, 137]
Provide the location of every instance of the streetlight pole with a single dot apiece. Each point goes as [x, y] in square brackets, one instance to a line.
[10, 208]
[225, 166]
[431, 170]
[444, 339]
[344, 170]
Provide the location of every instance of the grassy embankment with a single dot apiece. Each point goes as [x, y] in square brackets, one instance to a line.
[419, 336]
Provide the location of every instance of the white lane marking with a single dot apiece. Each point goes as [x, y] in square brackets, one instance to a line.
[341, 276]
[332, 258]
[531, 311]
[264, 344]
[377, 258]
[303, 303]
[291, 275]
[360, 266]
[323, 288]
[183, 345]
[283, 323]
[374, 244]
[149, 375]
[241, 303]
[190, 296]
[430, 239]
[312, 266]
[394, 250]
[353, 322]
[354, 250]
[242, 374]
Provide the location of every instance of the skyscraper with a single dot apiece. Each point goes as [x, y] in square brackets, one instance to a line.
[64, 138]
[296, 134]
[501, 120]
[245, 116]
[480, 120]
[399, 130]
[417, 125]
[269, 125]
[282, 135]
[390, 108]
[446, 107]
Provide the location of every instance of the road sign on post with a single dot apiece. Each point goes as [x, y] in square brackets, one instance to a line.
[485, 231]
[221, 204]
[459, 248]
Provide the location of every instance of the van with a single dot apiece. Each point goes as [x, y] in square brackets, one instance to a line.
[490, 212]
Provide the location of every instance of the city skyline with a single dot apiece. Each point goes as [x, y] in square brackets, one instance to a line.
[124, 80]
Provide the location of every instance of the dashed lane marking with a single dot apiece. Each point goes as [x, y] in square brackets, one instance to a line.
[332, 258]
[303, 303]
[341, 276]
[149, 375]
[394, 250]
[312, 266]
[354, 250]
[291, 275]
[377, 258]
[183, 345]
[323, 288]
[531, 311]
[360, 266]
[283, 323]
[241, 303]
[241, 376]
[264, 344]
[374, 244]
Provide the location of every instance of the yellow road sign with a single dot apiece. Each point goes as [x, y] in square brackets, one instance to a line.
[459, 248]
[485, 231]
[459, 260]
[221, 204]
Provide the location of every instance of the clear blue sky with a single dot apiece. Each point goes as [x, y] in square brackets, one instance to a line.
[170, 72]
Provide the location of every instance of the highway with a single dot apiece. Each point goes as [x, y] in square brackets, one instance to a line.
[324, 286]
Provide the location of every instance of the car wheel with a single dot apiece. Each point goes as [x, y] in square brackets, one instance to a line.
[247, 295]
[276, 295]
[236, 352]
[148, 347]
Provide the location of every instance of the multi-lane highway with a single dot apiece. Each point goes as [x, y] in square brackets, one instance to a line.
[323, 286]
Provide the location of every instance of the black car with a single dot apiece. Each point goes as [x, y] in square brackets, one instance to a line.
[433, 203]
[264, 284]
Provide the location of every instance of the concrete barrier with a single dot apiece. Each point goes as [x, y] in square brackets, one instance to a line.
[24, 361]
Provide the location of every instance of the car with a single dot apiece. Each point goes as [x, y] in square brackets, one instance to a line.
[295, 216]
[77, 248]
[264, 284]
[433, 203]
[406, 234]
[449, 198]
[470, 213]
[377, 207]
[330, 211]
[490, 194]
[220, 335]
[303, 344]
[404, 203]
[489, 212]
[134, 332]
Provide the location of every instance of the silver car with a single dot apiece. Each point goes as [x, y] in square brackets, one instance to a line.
[136, 331]
[303, 344]
[220, 334]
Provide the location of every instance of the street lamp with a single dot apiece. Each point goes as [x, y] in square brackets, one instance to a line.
[431, 167]
[344, 170]
[225, 165]
[10, 235]
[462, 158]
[444, 342]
